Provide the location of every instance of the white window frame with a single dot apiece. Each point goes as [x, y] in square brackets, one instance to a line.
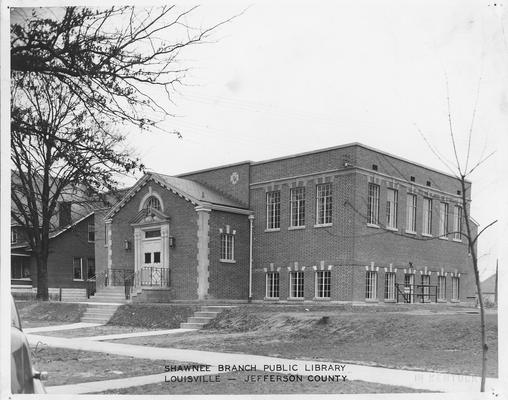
[441, 287]
[296, 285]
[80, 267]
[425, 280]
[390, 291]
[324, 204]
[227, 247]
[14, 236]
[297, 207]
[412, 205]
[455, 288]
[323, 284]
[457, 223]
[427, 216]
[272, 285]
[392, 199]
[373, 204]
[443, 220]
[91, 229]
[153, 202]
[273, 210]
[371, 285]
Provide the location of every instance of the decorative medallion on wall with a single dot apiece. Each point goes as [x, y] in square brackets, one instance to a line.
[234, 178]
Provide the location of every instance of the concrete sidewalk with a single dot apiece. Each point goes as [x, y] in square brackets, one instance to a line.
[51, 328]
[413, 379]
[139, 334]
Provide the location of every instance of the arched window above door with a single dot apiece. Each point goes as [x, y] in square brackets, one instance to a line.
[152, 203]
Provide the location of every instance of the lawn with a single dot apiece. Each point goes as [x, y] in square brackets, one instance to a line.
[234, 383]
[443, 342]
[65, 366]
[46, 313]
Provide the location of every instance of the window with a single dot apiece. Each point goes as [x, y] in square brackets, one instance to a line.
[391, 208]
[443, 219]
[91, 232]
[106, 236]
[77, 269]
[390, 286]
[411, 213]
[426, 288]
[427, 216]
[324, 204]
[373, 204]
[441, 287]
[455, 288]
[297, 206]
[64, 213]
[323, 284]
[20, 268]
[157, 257]
[371, 285]
[227, 247]
[152, 203]
[296, 285]
[272, 285]
[409, 282]
[91, 268]
[273, 210]
[153, 234]
[14, 235]
[457, 223]
[148, 258]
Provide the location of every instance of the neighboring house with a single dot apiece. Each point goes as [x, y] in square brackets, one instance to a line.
[489, 289]
[343, 224]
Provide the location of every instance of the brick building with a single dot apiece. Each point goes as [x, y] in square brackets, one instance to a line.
[343, 224]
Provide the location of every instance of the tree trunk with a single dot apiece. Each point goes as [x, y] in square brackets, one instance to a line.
[42, 278]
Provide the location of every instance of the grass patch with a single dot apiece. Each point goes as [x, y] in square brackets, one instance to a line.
[92, 331]
[65, 366]
[44, 313]
[234, 383]
[444, 342]
[152, 316]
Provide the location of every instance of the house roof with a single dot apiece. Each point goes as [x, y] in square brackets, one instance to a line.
[194, 192]
[489, 284]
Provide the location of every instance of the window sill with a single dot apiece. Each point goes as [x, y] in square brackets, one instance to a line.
[227, 261]
[457, 240]
[295, 228]
[271, 299]
[372, 225]
[272, 230]
[22, 279]
[78, 280]
[443, 237]
[390, 301]
[388, 228]
[427, 235]
[371, 300]
[323, 225]
[441, 300]
[91, 241]
[411, 232]
[321, 298]
[454, 301]
[296, 298]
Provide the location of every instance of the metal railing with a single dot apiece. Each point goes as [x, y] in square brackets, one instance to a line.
[416, 293]
[118, 276]
[154, 276]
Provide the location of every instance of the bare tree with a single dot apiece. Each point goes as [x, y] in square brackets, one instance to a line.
[77, 76]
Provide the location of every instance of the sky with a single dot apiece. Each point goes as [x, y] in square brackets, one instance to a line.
[288, 77]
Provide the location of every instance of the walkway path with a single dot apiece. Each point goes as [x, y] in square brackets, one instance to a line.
[51, 328]
[140, 334]
[413, 379]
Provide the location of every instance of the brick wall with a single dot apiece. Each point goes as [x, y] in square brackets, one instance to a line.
[228, 280]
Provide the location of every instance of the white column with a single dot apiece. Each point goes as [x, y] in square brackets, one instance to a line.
[165, 245]
[203, 251]
[251, 220]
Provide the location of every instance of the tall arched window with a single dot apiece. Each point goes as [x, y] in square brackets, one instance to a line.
[152, 203]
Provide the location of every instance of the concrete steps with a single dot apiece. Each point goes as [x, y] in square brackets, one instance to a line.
[203, 317]
[99, 313]
[110, 294]
[73, 294]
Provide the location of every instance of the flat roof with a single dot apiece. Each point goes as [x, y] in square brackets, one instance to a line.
[316, 152]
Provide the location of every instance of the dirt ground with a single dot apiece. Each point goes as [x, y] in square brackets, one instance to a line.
[40, 313]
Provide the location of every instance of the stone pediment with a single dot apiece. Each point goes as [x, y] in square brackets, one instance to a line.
[151, 216]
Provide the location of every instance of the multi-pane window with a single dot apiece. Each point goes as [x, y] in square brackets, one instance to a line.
[273, 210]
[324, 204]
[443, 219]
[427, 216]
[14, 235]
[91, 233]
[152, 203]
[373, 204]
[411, 213]
[91, 268]
[77, 269]
[409, 281]
[455, 287]
[323, 284]
[157, 257]
[272, 285]
[390, 286]
[426, 288]
[371, 285]
[457, 222]
[391, 208]
[155, 233]
[296, 284]
[227, 247]
[441, 287]
[297, 206]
